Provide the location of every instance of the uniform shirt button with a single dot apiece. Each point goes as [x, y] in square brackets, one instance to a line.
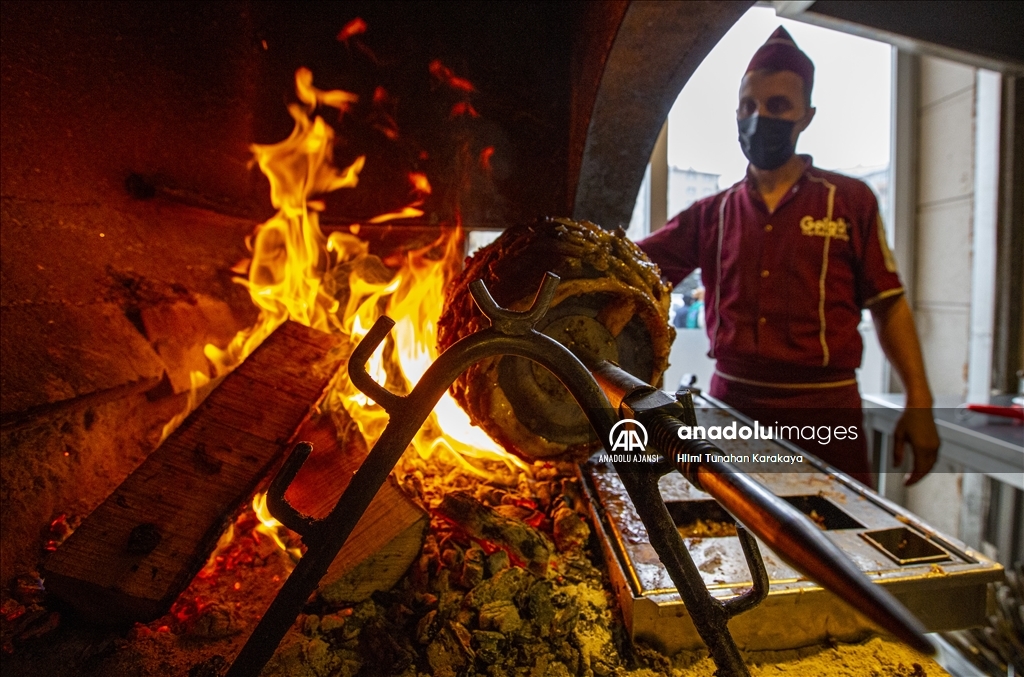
[762, 320]
[764, 273]
[768, 228]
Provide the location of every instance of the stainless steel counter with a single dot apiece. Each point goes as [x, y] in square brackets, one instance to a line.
[990, 445]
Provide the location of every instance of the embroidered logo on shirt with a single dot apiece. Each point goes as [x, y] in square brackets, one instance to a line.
[825, 228]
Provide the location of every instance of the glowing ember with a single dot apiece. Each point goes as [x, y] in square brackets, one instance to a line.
[485, 158]
[464, 108]
[353, 27]
[447, 76]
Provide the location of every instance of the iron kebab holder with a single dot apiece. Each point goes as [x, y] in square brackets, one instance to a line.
[599, 391]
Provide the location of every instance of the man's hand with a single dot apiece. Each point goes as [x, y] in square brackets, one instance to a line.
[917, 428]
[894, 324]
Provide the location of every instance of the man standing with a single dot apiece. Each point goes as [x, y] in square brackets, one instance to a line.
[789, 257]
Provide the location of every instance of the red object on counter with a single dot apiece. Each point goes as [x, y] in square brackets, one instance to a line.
[993, 410]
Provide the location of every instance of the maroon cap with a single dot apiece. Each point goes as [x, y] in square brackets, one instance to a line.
[780, 53]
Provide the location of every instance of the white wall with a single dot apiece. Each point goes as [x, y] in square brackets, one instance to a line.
[953, 284]
[945, 193]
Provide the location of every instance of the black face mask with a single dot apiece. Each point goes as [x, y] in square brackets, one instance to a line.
[766, 141]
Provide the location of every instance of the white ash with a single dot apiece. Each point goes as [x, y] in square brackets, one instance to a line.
[466, 608]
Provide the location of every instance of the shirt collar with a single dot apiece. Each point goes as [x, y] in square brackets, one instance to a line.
[751, 187]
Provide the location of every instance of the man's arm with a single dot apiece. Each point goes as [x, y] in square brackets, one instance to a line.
[894, 324]
[675, 247]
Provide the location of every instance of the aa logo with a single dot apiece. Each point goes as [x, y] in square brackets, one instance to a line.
[624, 437]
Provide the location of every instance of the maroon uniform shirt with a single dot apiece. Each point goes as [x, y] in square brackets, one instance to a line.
[784, 290]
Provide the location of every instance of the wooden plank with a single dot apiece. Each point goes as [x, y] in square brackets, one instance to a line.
[388, 537]
[139, 549]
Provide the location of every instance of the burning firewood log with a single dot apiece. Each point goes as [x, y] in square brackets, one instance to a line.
[390, 534]
[139, 549]
[610, 305]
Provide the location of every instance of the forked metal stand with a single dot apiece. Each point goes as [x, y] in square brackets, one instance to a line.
[513, 333]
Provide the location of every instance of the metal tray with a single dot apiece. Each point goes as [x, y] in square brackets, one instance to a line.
[939, 579]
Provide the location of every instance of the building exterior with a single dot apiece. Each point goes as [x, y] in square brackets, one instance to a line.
[686, 186]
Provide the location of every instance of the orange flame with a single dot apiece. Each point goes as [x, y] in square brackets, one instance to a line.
[419, 182]
[311, 96]
[333, 284]
[270, 527]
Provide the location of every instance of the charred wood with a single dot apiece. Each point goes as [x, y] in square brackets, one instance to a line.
[389, 536]
[133, 555]
[520, 540]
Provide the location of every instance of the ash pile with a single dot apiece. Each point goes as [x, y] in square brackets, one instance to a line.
[509, 581]
[504, 585]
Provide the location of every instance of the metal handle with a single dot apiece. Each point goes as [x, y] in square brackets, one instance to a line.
[511, 322]
[758, 575]
[278, 505]
[357, 366]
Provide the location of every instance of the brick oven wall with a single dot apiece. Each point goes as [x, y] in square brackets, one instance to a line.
[127, 192]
